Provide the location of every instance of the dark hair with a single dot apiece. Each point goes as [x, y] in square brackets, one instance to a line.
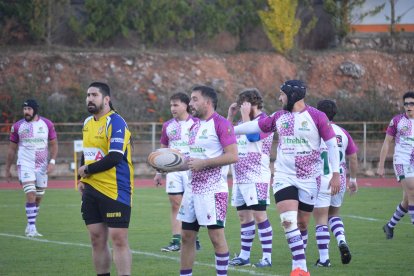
[409, 94]
[182, 97]
[251, 95]
[207, 91]
[328, 107]
[103, 88]
[105, 91]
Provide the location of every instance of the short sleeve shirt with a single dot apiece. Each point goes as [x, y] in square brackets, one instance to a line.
[300, 133]
[208, 138]
[401, 128]
[32, 139]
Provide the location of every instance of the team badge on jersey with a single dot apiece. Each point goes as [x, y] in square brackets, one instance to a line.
[339, 140]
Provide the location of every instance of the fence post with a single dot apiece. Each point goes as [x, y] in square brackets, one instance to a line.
[365, 145]
[153, 129]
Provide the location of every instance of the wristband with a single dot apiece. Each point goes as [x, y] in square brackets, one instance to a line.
[52, 161]
[353, 180]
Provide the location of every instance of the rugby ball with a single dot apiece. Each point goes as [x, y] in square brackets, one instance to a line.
[166, 159]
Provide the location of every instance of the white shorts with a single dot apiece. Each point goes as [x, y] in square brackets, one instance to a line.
[403, 171]
[307, 189]
[210, 209]
[323, 199]
[250, 194]
[176, 182]
[29, 175]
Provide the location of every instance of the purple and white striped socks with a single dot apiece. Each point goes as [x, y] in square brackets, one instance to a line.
[266, 236]
[222, 263]
[322, 240]
[247, 233]
[397, 216]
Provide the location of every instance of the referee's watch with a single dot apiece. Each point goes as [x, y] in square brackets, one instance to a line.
[86, 171]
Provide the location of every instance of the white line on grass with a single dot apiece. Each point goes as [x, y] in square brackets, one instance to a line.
[251, 272]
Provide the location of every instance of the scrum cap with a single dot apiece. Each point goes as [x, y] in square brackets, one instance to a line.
[31, 103]
[295, 90]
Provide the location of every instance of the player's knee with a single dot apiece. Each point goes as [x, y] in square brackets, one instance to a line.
[29, 188]
[289, 220]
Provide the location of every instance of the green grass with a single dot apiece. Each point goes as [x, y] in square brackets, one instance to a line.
[65, 250]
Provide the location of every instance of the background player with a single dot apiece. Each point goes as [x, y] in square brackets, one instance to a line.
[401, 132]
[327, 207]
[30, 138]
[251, 180]
[175, 134]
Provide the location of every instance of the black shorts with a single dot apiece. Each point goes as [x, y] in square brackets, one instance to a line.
[194, 226]
[256, 207]
[98, 208]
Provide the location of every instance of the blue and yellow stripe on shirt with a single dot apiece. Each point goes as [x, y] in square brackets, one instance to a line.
[109, 133]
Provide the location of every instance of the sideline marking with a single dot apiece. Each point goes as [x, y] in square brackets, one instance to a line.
[251, 272]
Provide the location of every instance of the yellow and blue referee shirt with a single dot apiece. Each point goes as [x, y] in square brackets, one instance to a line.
[109, 133]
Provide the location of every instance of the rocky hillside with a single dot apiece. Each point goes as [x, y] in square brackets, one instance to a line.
[143, 81]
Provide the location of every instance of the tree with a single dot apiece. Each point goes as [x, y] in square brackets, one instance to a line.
[280, 23]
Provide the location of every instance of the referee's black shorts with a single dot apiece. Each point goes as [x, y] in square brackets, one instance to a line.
[98, 208]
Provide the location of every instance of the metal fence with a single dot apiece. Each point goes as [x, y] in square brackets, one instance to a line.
[367, 135]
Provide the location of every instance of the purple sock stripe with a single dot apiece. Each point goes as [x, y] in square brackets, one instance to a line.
[222, 262]
[266, 242]
[222, 254]
[264, 224]
[266, 234]
[299, 257]
[410, 208]
[247, 224]
[246, 248]
[336, 226]
[186, 271]
[267, 250]
[323, 237]
[221, 272]
[322, 246]
[296, 248]
[304, 233]
[402, 208]
[247, 240]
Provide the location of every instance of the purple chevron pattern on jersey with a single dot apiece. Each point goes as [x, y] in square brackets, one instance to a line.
[262, 189]
[248, 168]
[401, 128]
[221, 205]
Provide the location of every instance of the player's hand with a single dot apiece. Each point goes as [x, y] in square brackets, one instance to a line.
[196, 164]
[335, 183]
[245, 109]
[157, 179]
[380, 171]
[81, 187]
[50, 167]
[81, 171]
[233, 108]
[353, 187]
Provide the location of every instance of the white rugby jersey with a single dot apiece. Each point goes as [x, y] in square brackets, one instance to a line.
[300, 134]
[207, 140]
[32, 139]
[175, 134]
[254, 158]
[401, 128]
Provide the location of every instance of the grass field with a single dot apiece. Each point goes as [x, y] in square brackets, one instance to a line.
[65, 249]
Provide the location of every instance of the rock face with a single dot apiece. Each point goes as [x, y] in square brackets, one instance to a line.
[145, 80]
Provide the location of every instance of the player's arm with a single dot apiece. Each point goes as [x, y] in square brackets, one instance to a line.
[11, 153]
[383, 154]
[333, 154]
[229, 156]
[353, 168]
[112, 159]
[53, 146]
